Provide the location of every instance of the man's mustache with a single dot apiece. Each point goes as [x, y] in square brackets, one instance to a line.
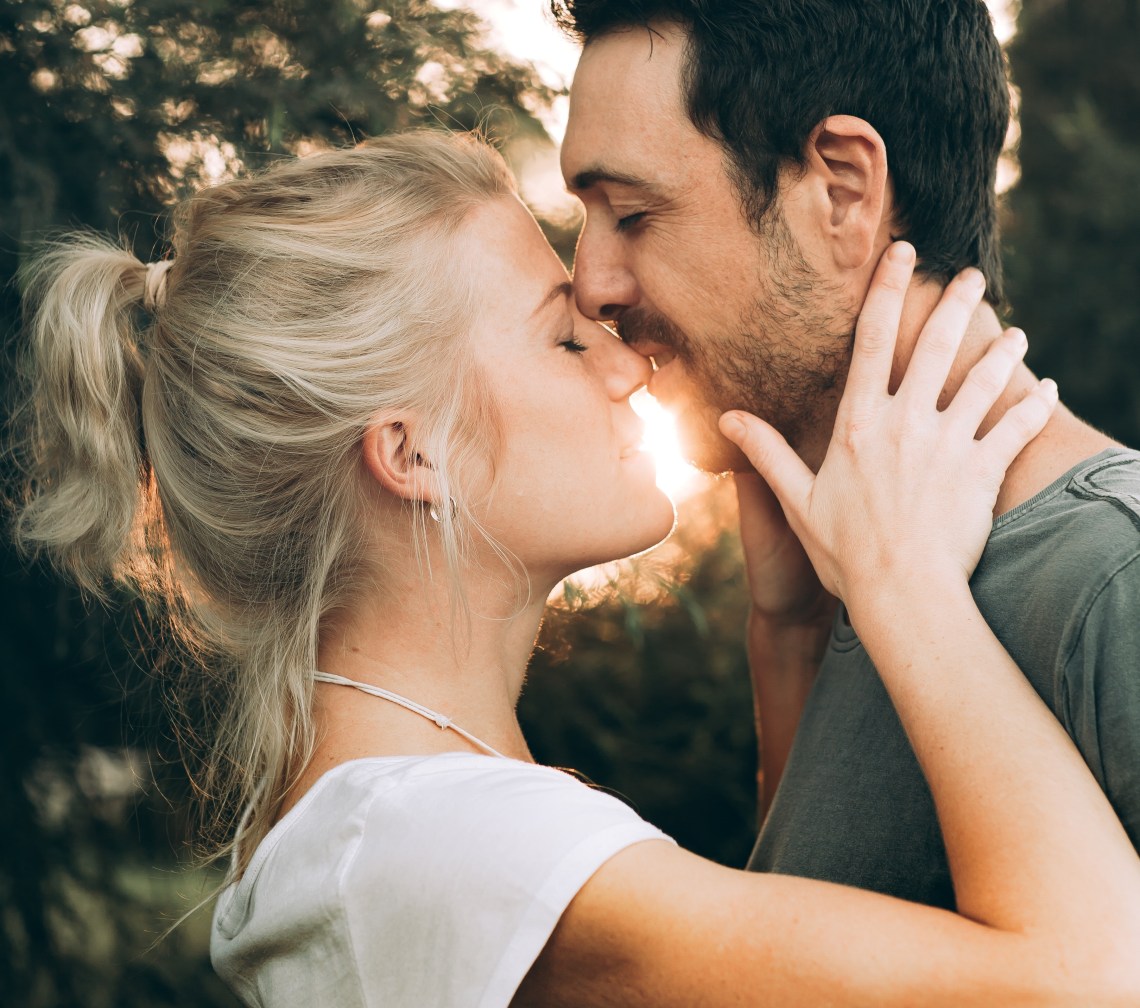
[636, 325]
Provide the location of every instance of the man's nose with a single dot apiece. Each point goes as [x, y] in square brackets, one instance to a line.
[604, 286]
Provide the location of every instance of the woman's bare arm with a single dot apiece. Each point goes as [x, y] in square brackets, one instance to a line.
[1047, 882]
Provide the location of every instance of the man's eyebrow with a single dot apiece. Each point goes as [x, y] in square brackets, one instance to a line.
[558, 290]
[593, 176]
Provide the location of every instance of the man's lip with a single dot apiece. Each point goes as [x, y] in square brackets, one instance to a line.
[647, 347]
[660, 353]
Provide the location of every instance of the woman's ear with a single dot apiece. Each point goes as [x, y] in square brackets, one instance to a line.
[392, 460]
[847, 173]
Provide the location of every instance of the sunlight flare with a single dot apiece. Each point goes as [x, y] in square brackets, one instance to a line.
[676, 477]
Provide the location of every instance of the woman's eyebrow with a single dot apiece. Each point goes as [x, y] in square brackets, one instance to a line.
[562, 289]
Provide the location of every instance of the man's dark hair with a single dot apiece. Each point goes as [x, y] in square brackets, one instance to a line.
[929, 75]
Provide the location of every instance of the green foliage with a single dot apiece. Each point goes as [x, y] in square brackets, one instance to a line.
[111, 107]
[1073, 229]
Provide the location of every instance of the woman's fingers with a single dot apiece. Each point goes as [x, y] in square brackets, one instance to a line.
[941, 337]
[782, 469]
[1021, 423]
[877, 330]
[987, 380]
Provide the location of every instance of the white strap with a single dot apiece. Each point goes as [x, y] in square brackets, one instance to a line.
[443, 722]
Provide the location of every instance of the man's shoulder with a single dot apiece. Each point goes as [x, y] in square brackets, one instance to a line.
[1112, 477]
[1063, 557]
[1093, 511]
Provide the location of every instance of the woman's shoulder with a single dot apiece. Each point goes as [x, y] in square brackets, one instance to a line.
[450, 783]
[391, 819]
[466, 800]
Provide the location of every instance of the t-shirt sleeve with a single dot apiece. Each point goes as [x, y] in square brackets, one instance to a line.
[1102, 692]
[464, 886]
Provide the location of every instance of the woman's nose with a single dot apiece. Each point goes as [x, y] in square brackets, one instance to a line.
[626, 369]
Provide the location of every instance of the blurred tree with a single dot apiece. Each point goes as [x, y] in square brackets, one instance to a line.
[1073, 228]
[110, 109]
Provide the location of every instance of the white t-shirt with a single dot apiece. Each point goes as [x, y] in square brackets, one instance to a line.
[414, 882]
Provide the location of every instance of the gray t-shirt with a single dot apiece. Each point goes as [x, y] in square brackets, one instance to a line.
[1059, 584]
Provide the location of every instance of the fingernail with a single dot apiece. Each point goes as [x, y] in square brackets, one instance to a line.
[731, 426]
[974, 280]
[1048, 386]
[901, 253]
[1019, 338]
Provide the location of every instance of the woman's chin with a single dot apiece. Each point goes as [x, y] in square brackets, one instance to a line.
[660, 522]
[667, 521]
[655, 522]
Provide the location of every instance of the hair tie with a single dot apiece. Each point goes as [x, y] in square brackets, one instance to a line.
[154, 286]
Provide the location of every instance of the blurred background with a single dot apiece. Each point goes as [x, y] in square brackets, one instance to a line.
[110, 109]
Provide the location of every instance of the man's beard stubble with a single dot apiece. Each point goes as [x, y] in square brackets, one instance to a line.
[786, 360]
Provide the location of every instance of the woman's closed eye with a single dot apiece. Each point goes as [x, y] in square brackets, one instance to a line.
[574, 345]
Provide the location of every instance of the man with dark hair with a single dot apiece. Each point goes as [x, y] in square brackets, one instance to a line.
[743, 165]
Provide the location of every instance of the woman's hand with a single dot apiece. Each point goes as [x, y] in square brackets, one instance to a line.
[906, 492]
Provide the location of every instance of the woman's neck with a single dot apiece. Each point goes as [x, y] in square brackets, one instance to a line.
[464, 662]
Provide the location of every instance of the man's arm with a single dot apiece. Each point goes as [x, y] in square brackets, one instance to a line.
[783, 661]
[789, 624]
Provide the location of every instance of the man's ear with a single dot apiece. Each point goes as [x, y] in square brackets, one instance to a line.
[392, 460]
[847, 171]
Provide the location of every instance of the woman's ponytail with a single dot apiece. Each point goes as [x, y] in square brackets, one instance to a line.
[86, 475]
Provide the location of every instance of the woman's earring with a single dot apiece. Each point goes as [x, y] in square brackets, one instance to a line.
[434, 514]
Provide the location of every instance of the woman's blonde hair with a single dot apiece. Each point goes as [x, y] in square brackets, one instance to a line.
[206, 451]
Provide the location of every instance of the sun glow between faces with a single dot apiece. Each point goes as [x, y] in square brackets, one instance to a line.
[646, 576]
[675, 476]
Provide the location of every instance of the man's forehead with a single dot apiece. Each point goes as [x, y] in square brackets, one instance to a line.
[630, 71]
[625, 104]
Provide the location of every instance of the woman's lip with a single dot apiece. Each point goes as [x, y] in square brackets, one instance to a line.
[639, 456]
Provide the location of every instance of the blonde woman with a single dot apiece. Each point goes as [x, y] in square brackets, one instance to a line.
[349, 435]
